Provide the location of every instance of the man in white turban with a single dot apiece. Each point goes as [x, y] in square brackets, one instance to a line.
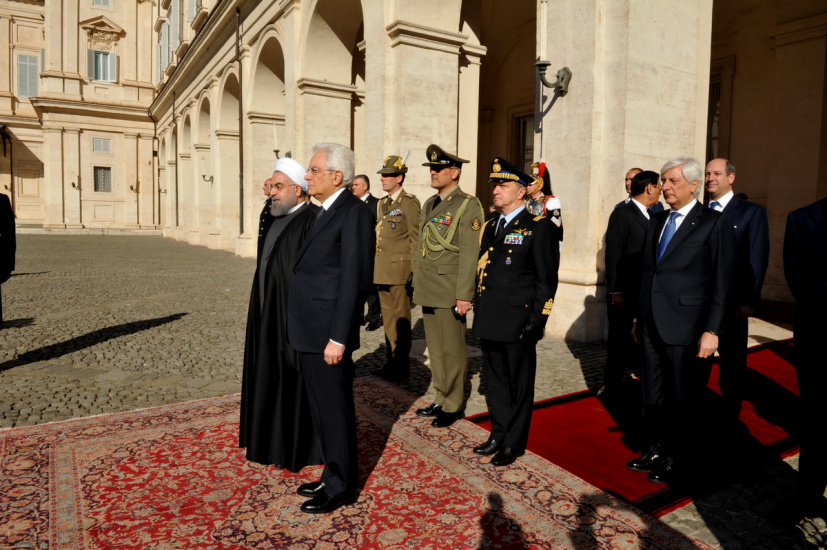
[276, 426]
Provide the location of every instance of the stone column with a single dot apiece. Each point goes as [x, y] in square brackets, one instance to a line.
[326, 112]
[146, 195]
[424, 110]
[635, 99]
[75, 184]
[131, 183]
[5, 67]
[55, 188]
[469, 112]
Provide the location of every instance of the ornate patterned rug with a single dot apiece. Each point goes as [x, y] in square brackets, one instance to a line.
[173, 477]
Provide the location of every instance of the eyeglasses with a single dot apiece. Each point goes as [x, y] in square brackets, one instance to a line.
[315, 170]
[276, 186]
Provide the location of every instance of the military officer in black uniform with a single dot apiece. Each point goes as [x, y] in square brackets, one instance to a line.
[516, 284]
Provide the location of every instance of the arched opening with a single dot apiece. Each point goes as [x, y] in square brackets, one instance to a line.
[186, 191]
[506, 87]
[226, 183]
[334, 75]
[163, 183]
[202, 199]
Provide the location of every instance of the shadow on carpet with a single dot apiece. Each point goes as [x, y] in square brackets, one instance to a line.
[594, 440]
[173, 477]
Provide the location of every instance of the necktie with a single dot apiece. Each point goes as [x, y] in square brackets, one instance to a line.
[437, 200]
[668, 233]
[387, 204]
[714, 205]
[320, 213]
[500, 226]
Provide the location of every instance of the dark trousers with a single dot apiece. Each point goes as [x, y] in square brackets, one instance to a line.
[621, 350]
[396, 313]
[330, 392]
[732, 349]
[510, 370]
[812, 381]
[374, 307]
[673, 382]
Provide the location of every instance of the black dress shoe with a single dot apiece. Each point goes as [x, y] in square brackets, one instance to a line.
[311, 489]
[373, 325]
[645, 463]
[444, 419]
[488, 448]
[431, 410]
[506, 456]
[663, 473]
[324, 504]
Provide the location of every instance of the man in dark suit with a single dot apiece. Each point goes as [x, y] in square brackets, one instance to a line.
[8, 245]
[805, 267]
[624, 255]
[361, 188]
[752, 236]
[516, 284]
[333, 272]
[686, 290]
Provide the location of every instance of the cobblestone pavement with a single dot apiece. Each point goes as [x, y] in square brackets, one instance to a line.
[100, 324]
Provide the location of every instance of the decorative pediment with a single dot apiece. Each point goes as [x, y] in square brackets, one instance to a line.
[103, 33]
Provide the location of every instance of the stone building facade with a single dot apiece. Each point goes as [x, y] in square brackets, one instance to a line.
[168, 114]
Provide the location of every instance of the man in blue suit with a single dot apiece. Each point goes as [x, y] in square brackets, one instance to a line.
[333, 273]
[752, 236]
[686, 290]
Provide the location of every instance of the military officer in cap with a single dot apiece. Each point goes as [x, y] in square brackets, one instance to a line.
[540, 201]
[516, 284]
[443, 280]
[397, 240]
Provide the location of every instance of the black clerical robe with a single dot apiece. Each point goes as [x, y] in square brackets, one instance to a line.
[276, 426]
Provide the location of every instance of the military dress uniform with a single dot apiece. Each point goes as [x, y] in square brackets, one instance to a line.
[516, 284]
[546, 203]
[444, 272]
[397, 240]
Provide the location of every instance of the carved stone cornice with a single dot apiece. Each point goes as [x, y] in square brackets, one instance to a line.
[102, 33]
[309, 86]
[411, 34]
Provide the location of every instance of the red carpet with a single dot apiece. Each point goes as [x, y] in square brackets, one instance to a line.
[172, 477]
[577, 433]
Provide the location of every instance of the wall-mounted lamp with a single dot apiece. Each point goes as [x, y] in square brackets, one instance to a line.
[207, 179]
[563, 77]
[75, 186]
[133, 188]
[164, 191]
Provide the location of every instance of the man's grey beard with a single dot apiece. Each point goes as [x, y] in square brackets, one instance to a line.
[281, 207]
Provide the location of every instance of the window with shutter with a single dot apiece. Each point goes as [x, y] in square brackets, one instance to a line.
[27, 75]
[102, 3]
[101, 145]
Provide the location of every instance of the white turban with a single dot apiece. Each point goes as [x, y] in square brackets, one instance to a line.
[292, 170]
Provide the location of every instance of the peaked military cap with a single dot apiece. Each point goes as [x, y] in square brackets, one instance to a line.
[438, 157]
[502, 170]
[393, 165]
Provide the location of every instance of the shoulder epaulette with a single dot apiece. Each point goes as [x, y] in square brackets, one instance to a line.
[538, 218]
[409, 195]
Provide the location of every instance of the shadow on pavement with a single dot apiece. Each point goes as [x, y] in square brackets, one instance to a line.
[87, 340]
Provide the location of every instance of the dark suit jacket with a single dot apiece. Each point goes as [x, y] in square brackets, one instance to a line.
[690, 290]
[752, 235]
[332, 276]
[805, 257]
[371, 203]
[624, 250]
[517, 277]
[8, 241]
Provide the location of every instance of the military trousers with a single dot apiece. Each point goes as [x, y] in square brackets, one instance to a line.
[445, 337]
[396, 312]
